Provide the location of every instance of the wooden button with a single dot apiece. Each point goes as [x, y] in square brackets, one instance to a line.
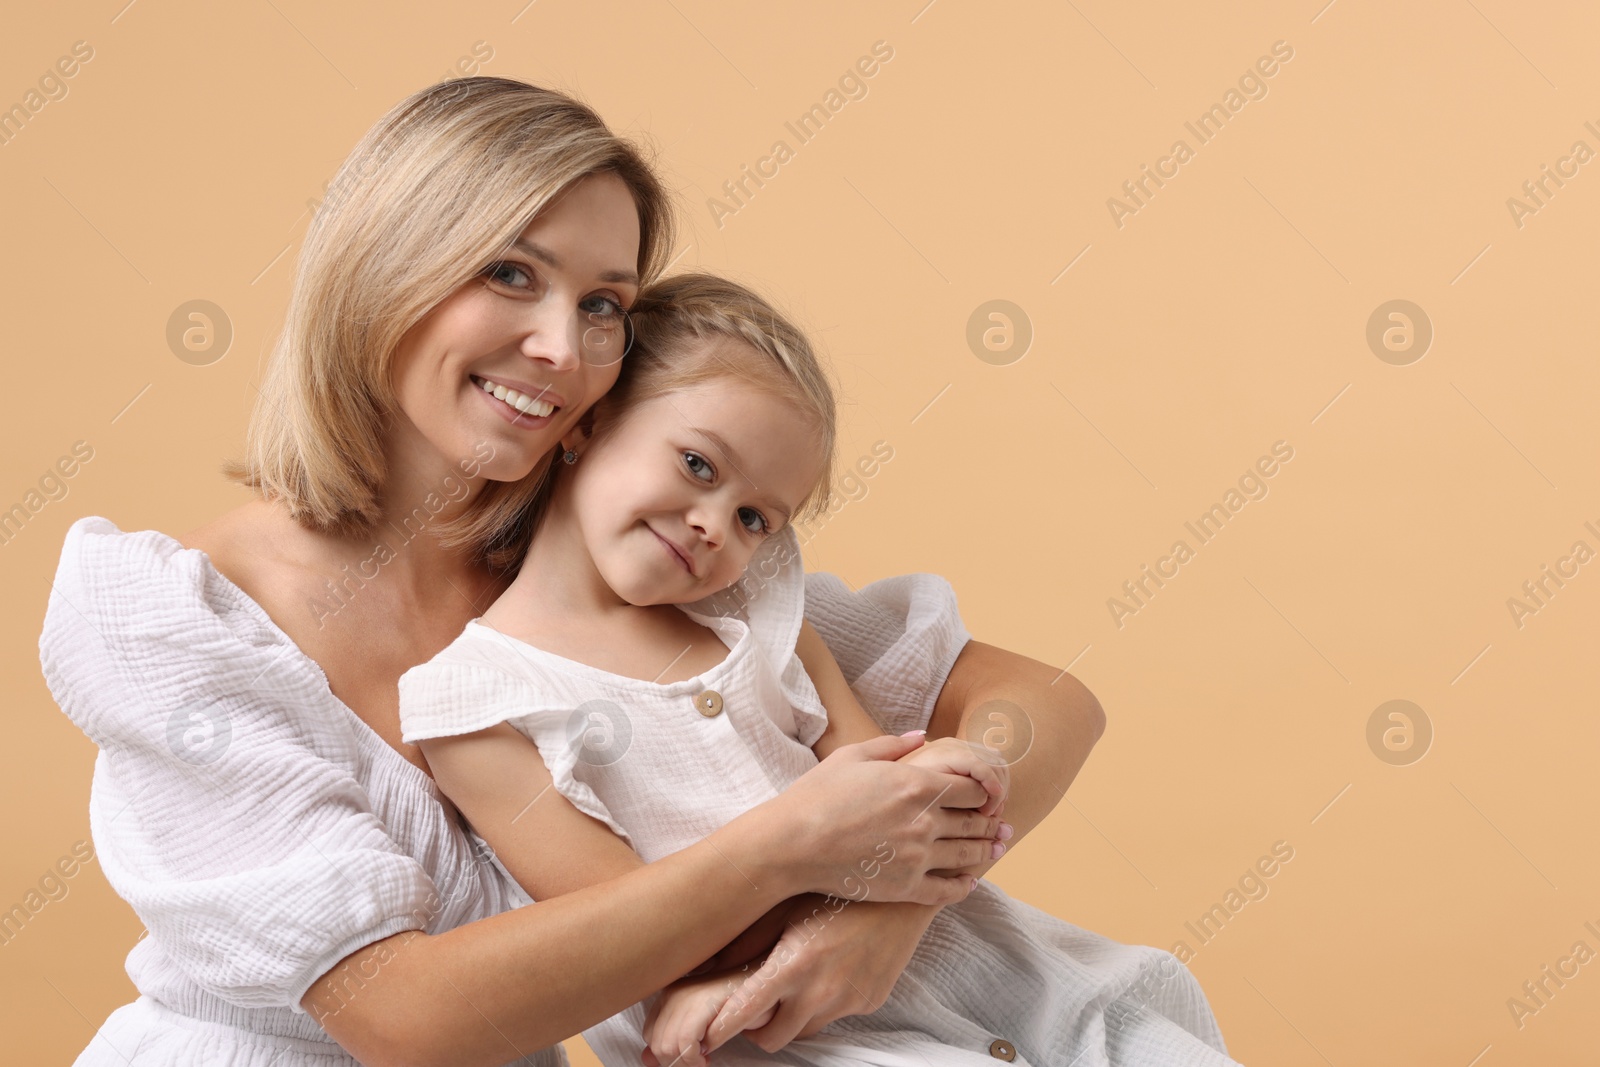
[1001, 1049]
[709, 703]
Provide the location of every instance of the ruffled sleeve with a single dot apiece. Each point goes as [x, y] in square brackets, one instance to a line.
[770, 599]
[896, 640]
[226, 807]
[483, 678]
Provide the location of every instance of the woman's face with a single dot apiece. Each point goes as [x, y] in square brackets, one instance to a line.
[523, 328]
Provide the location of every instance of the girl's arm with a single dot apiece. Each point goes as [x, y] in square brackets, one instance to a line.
[848, 721]
[498, 779]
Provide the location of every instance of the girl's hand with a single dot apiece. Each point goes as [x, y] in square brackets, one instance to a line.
[828, 964]
[858, 822]
[954, 756]
[675, 1028]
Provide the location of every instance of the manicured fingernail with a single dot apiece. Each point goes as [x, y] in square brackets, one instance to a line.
[1006, 831]
[999, 849]
[913, 733]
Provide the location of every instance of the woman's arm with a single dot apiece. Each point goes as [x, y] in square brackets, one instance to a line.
[505, 986]
[1043, 722]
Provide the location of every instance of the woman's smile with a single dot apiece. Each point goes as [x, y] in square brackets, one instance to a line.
[516, 407]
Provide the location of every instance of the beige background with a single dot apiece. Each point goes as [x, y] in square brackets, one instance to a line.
[1230, 312]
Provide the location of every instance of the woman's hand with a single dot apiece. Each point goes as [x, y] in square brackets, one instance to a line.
[835, 958]
[859, 823]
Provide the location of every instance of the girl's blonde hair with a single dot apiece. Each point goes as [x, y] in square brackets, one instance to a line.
[680, 326]
[433, 193]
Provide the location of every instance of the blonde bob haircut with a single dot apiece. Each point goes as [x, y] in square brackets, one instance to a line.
[695, 327]
[432, 194]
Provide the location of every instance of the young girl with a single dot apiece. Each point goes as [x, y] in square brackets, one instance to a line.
[653, 648]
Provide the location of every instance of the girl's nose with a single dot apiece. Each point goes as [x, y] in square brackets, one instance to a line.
[706, 525]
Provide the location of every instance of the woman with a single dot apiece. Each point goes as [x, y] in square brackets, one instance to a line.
[309, 895]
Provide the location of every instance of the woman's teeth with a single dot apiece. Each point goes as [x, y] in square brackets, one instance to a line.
[525, 404]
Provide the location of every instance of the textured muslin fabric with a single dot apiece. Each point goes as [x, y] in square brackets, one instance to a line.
[259, 829]
[665, 764]
[257, 826]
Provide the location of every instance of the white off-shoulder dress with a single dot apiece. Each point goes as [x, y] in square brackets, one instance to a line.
[666, 764]
[262, 831]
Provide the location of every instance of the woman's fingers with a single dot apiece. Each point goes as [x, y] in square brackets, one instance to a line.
[954, 854]
[878, 748]
[971, 824]
[942, 889]
[860, 807]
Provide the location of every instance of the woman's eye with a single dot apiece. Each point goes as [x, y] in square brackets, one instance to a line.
[696, 464]
[601, 305]
[498, 271]
[760, 519]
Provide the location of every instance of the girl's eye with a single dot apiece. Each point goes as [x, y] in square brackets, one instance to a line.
[761, 520]
[696, 463]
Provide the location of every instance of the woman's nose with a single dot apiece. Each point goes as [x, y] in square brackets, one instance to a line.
[553, 338]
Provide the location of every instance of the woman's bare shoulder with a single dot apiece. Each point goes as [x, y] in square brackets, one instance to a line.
[255, 544]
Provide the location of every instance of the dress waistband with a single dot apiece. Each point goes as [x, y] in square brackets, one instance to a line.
[169, 1017]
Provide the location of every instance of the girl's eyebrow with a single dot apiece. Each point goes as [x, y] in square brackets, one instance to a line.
[733, 458]
[548, 258]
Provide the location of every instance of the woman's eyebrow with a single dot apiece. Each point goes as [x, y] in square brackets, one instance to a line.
[548, 258]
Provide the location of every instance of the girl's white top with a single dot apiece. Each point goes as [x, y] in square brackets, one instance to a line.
[666, 764]
[261, 831]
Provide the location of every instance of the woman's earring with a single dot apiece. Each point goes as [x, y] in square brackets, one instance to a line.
[570, 456]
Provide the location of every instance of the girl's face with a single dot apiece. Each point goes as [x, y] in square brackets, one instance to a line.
[672, 503]
[523, 325]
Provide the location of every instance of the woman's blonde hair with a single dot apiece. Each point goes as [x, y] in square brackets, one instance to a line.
[434, 192]
[679, 324]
